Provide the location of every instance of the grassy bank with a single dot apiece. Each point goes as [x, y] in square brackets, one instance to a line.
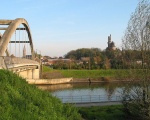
[21, 101]
[111, 73]
[103, 113]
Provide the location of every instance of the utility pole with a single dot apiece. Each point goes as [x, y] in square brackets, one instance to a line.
[40, 63]
[90, 59]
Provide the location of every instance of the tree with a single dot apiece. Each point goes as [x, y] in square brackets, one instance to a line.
[92, 56]
[136, 100]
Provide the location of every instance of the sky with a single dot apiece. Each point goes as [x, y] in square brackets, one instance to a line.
[59, 26]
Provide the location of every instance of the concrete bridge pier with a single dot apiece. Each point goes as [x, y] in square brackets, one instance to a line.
[36, 73]
[30, 73]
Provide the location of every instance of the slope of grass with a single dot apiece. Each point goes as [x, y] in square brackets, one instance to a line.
[21, 101]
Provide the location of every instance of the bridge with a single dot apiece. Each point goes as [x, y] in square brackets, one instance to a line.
[16, 49]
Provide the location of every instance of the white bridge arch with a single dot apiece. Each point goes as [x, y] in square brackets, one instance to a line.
[24, 67]
[10, 30]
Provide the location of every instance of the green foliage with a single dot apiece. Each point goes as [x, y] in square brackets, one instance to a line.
[96, 59]
[21, 101]
[103, 113]
[46, 69]
[86, 58]
[136, 100]
[83, 52]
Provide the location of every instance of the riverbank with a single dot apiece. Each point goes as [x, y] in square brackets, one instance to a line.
[71, 80]
[91, 76]
[95, 74]
[49, 81]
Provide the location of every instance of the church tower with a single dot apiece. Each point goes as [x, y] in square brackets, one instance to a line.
[24, 51]
[109, 41]
[111, 44]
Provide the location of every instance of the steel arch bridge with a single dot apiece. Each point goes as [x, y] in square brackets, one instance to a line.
[27, 68]
[10, 30]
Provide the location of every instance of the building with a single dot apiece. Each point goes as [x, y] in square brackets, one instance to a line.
[25, 55]
[111, 44]
[53, 61]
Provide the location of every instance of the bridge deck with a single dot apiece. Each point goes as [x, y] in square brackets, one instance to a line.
[17, 63]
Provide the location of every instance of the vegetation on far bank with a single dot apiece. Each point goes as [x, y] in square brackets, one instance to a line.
[49, 73]
[21, 101]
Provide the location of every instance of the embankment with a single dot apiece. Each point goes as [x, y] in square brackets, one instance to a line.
[22, 101]
[49, 81]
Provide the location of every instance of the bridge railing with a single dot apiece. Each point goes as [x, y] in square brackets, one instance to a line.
[10, 62]
[17, 60]
[89, 98]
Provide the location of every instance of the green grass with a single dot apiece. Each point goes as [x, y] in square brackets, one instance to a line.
[21, 101]
[46, 69]
[103, 113]
[112, 73]
[84, 73]
[88, 73]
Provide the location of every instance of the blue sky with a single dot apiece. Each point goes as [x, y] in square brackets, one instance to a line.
[59, 26]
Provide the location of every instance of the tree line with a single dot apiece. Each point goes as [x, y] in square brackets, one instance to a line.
[95, 58]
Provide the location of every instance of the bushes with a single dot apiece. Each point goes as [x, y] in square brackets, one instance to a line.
[113, 112]
[20, 100]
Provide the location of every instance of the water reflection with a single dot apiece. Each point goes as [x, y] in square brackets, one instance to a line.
[85, 92]
[53, 88]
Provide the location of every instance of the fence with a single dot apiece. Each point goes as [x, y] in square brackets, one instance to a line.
[89, 98]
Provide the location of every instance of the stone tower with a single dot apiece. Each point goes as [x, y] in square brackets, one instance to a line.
[111, 44]
[109, 41]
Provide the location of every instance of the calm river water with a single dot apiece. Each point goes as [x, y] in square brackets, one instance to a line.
[85, 92]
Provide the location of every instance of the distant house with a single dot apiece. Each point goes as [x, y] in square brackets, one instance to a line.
[79, 62]
[54, 61]
[86, 59]
[139, 62]
[37, 59]
[46, 57]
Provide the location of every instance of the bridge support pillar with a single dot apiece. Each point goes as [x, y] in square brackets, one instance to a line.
[29, 74]
[36, 74]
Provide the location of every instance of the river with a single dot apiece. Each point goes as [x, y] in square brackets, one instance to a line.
[85, 92]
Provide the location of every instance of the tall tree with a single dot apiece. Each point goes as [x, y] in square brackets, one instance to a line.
[137, 40]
